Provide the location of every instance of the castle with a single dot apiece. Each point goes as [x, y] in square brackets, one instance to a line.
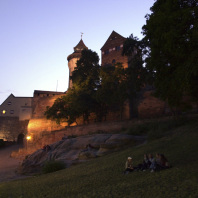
[22, 115]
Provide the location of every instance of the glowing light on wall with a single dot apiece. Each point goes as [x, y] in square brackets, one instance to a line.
[28, 137]
[4, 112]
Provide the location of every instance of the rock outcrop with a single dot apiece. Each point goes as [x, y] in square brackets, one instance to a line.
[77, 150]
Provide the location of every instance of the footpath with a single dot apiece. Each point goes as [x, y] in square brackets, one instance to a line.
[8, 164]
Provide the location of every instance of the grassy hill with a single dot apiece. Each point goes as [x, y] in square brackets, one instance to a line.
[102, 177]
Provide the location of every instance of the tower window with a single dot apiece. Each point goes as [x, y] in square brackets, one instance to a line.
[117, 48]
[106, 51]
[11, 111]
[9, 103]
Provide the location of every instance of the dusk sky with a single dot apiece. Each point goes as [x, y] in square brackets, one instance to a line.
[37, 36]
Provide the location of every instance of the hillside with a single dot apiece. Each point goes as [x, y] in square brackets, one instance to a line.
[102, 177]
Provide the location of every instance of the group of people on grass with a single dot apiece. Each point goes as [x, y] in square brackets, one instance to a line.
[149, 163]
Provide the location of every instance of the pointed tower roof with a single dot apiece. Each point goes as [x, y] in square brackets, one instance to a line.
[77, 50]
[80, 46]
[113, 40]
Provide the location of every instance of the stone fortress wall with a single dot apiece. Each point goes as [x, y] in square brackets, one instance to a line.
[12, 129]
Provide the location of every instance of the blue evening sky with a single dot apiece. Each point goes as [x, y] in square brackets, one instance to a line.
[36, 36]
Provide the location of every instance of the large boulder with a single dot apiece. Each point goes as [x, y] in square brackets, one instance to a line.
[76, 150]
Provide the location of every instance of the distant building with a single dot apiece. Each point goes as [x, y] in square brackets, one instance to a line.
[20, 107]
[15, 113]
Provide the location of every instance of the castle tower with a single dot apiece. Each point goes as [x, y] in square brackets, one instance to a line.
[72, 58]
[112, 50]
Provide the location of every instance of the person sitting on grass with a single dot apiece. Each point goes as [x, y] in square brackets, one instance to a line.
[152, 163]
[146, 163]
[128, 165]
[162, 162]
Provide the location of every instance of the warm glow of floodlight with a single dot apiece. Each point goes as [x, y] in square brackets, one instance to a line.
[28, 138]
[4, 111]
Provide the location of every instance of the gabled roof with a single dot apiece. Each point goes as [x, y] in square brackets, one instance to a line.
[16, 97]
[113, 40]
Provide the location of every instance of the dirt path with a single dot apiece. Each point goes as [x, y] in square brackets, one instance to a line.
[8, 165]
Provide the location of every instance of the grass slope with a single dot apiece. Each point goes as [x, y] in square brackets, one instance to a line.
[102, 177]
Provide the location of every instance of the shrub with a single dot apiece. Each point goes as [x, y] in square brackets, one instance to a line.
[140, 129]
[157, 129]
[72, 136]
[162, 128]
[2, 143]
[52, 166]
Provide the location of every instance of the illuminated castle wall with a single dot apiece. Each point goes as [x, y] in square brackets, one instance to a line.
[147, 106]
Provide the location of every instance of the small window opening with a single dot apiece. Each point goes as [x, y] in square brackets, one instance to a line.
[106, 51]
[117, 48]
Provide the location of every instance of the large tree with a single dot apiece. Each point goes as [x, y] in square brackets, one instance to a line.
[86, 72]
[171, 33]
[137, 75]
[79, 100]
[112, 91]
[65, 108]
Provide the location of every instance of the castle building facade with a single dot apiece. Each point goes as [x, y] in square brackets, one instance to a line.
[15, 112]
[111, 51]
[20, 107]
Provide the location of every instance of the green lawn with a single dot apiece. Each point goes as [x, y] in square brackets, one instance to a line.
[102, 177]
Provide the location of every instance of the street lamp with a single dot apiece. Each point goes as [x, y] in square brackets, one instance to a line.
[28, 138]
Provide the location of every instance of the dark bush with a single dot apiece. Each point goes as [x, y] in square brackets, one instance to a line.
[53, 166]
[140, 129]
[2, 143]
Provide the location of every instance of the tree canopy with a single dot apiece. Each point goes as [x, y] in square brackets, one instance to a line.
[137, 74]
[86, 72]
[171, 35]
[95, 90]
[112, 92]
